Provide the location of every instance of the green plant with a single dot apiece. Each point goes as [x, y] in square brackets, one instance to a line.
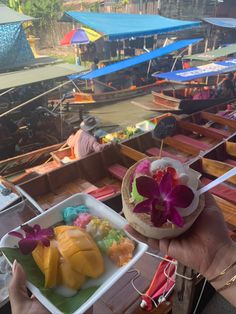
[45, 10]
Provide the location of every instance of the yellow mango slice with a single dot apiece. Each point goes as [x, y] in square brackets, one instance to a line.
[51, 262]
[79, 250]
[69, 277]
[38, 256]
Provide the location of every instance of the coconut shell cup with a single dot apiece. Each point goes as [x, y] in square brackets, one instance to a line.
[142, 223]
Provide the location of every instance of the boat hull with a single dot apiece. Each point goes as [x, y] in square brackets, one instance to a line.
[21, 162]
[117, 95]
[165, 102]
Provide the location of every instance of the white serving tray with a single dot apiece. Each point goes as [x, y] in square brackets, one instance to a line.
[112, 272]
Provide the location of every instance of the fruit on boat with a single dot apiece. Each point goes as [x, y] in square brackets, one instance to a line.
[79, 249]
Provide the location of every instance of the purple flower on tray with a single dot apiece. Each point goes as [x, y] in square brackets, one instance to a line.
[163, 199]
[33, 235]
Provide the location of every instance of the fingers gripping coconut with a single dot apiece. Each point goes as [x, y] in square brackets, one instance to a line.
[159, 197]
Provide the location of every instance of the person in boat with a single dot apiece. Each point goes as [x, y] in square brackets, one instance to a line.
[202, 93]
[206, 247]
[226, 88]
[94, 65]
[84, 142]
[127, 80]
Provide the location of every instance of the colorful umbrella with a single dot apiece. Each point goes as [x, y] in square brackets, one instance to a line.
[76, 36]
[79, 36]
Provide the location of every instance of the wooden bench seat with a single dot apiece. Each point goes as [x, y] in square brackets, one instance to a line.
[118, 171]
[105, 192]
[230, 162]
[221, 132]
[154, 151]
[192, 142]
[224, 191]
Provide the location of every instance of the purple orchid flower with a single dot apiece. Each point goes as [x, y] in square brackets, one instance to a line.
[162, 199]
[33, 235]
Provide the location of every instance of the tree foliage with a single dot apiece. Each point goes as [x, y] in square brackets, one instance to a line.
[45, 10]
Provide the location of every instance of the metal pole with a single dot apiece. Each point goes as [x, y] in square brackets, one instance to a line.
[32, 99]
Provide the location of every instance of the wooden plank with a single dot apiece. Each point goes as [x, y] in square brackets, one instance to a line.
[228, 210]
[216, 168]
[197, 143]
[230, 148]
[200, 130]
[180, 146]
[221, 120]
[131, 153]
[155, 152]
[184, 291]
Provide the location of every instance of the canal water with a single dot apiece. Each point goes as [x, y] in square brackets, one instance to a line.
[118, 115]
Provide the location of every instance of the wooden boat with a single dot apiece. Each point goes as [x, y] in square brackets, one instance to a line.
[17, 164]
[195, 134]
[176, 101]
[33, 130]
[113, 96]
[212, 165]
[99, 174]
[82, 98]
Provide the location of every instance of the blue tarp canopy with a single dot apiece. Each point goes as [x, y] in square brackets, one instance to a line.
[137, 60]
[199, 72]
[15, 50]
[120, 26]
[221, 22]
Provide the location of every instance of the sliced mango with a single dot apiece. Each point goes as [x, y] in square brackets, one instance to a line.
[51, 262]
[38, 256]
[79, 250]
[69, 277]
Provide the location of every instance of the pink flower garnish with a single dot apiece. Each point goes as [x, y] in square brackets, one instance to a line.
[162, 199]
[33, 235]
[143, 168]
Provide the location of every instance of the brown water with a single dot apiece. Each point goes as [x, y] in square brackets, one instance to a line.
[124, 113]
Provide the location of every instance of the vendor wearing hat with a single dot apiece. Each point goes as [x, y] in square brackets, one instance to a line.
[83, 142]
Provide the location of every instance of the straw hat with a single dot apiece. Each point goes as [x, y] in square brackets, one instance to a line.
[89, 124]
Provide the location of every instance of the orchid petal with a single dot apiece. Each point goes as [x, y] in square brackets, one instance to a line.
[27, 245]
[158, 217]
[175, 217]
[46, 232]
[16, 234]
[147, 187]
[165, 185]
[28, 229]
[143, 207]
[181, 196]
[37, 228]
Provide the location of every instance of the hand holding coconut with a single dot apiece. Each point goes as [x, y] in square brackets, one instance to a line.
[165, 208]
[205, 247]
[160, 198]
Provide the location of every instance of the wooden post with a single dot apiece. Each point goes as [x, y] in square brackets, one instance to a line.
[184, 291]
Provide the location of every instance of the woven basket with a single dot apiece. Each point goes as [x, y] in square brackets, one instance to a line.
[142, 222]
